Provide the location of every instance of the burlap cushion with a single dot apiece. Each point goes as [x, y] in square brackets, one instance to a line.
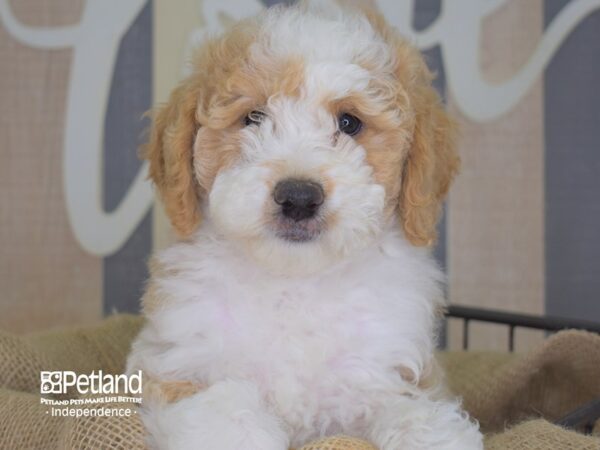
[498, 389]
[550, 381]
[540, 435]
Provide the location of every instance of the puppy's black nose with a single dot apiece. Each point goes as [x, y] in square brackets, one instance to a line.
[299, 199]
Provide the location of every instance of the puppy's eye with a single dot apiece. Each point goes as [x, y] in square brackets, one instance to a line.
[349, 124]
[254, 118]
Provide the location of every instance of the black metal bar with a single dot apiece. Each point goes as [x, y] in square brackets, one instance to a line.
[583, 416]
[548, 323]
[511, 339]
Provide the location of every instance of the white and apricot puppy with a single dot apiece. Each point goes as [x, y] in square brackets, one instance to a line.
[311, 144]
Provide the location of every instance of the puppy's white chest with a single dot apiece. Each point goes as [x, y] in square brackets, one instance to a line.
[302, 332]
[313, 341]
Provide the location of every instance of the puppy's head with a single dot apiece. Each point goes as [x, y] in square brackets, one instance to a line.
[301, 133]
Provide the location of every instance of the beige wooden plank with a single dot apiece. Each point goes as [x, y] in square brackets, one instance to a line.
[496, 209]
[46, 279]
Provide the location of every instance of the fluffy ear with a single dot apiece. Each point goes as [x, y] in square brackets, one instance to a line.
[432, 160]
[431, 163]
[170, 153]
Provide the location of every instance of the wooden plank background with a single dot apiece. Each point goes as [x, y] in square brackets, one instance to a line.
[46, 279]
[496, 207]
[496, 214]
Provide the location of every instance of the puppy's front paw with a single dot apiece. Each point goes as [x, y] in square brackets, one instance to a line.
[431, 439]
[423, 424]
[227, 416]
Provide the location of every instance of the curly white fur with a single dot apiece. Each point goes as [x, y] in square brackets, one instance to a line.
[298, 357]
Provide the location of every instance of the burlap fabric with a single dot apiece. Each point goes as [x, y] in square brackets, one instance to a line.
[24, 423]
[514, 398]
[550, 381]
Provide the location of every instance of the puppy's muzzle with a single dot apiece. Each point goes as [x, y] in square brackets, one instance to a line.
[298, 199]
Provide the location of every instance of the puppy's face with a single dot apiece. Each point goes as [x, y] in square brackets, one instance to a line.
[301, 133]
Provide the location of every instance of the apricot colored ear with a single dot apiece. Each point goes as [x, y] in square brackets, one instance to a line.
[170, 153]
[430, 166]
[432, 160]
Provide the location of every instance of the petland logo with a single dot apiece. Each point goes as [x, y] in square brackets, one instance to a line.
[98, 394]
[59, 382]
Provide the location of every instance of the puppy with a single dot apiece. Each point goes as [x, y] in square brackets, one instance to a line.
[303, 162]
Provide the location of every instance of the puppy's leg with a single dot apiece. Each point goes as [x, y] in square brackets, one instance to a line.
[229, 415]
[422, 423]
